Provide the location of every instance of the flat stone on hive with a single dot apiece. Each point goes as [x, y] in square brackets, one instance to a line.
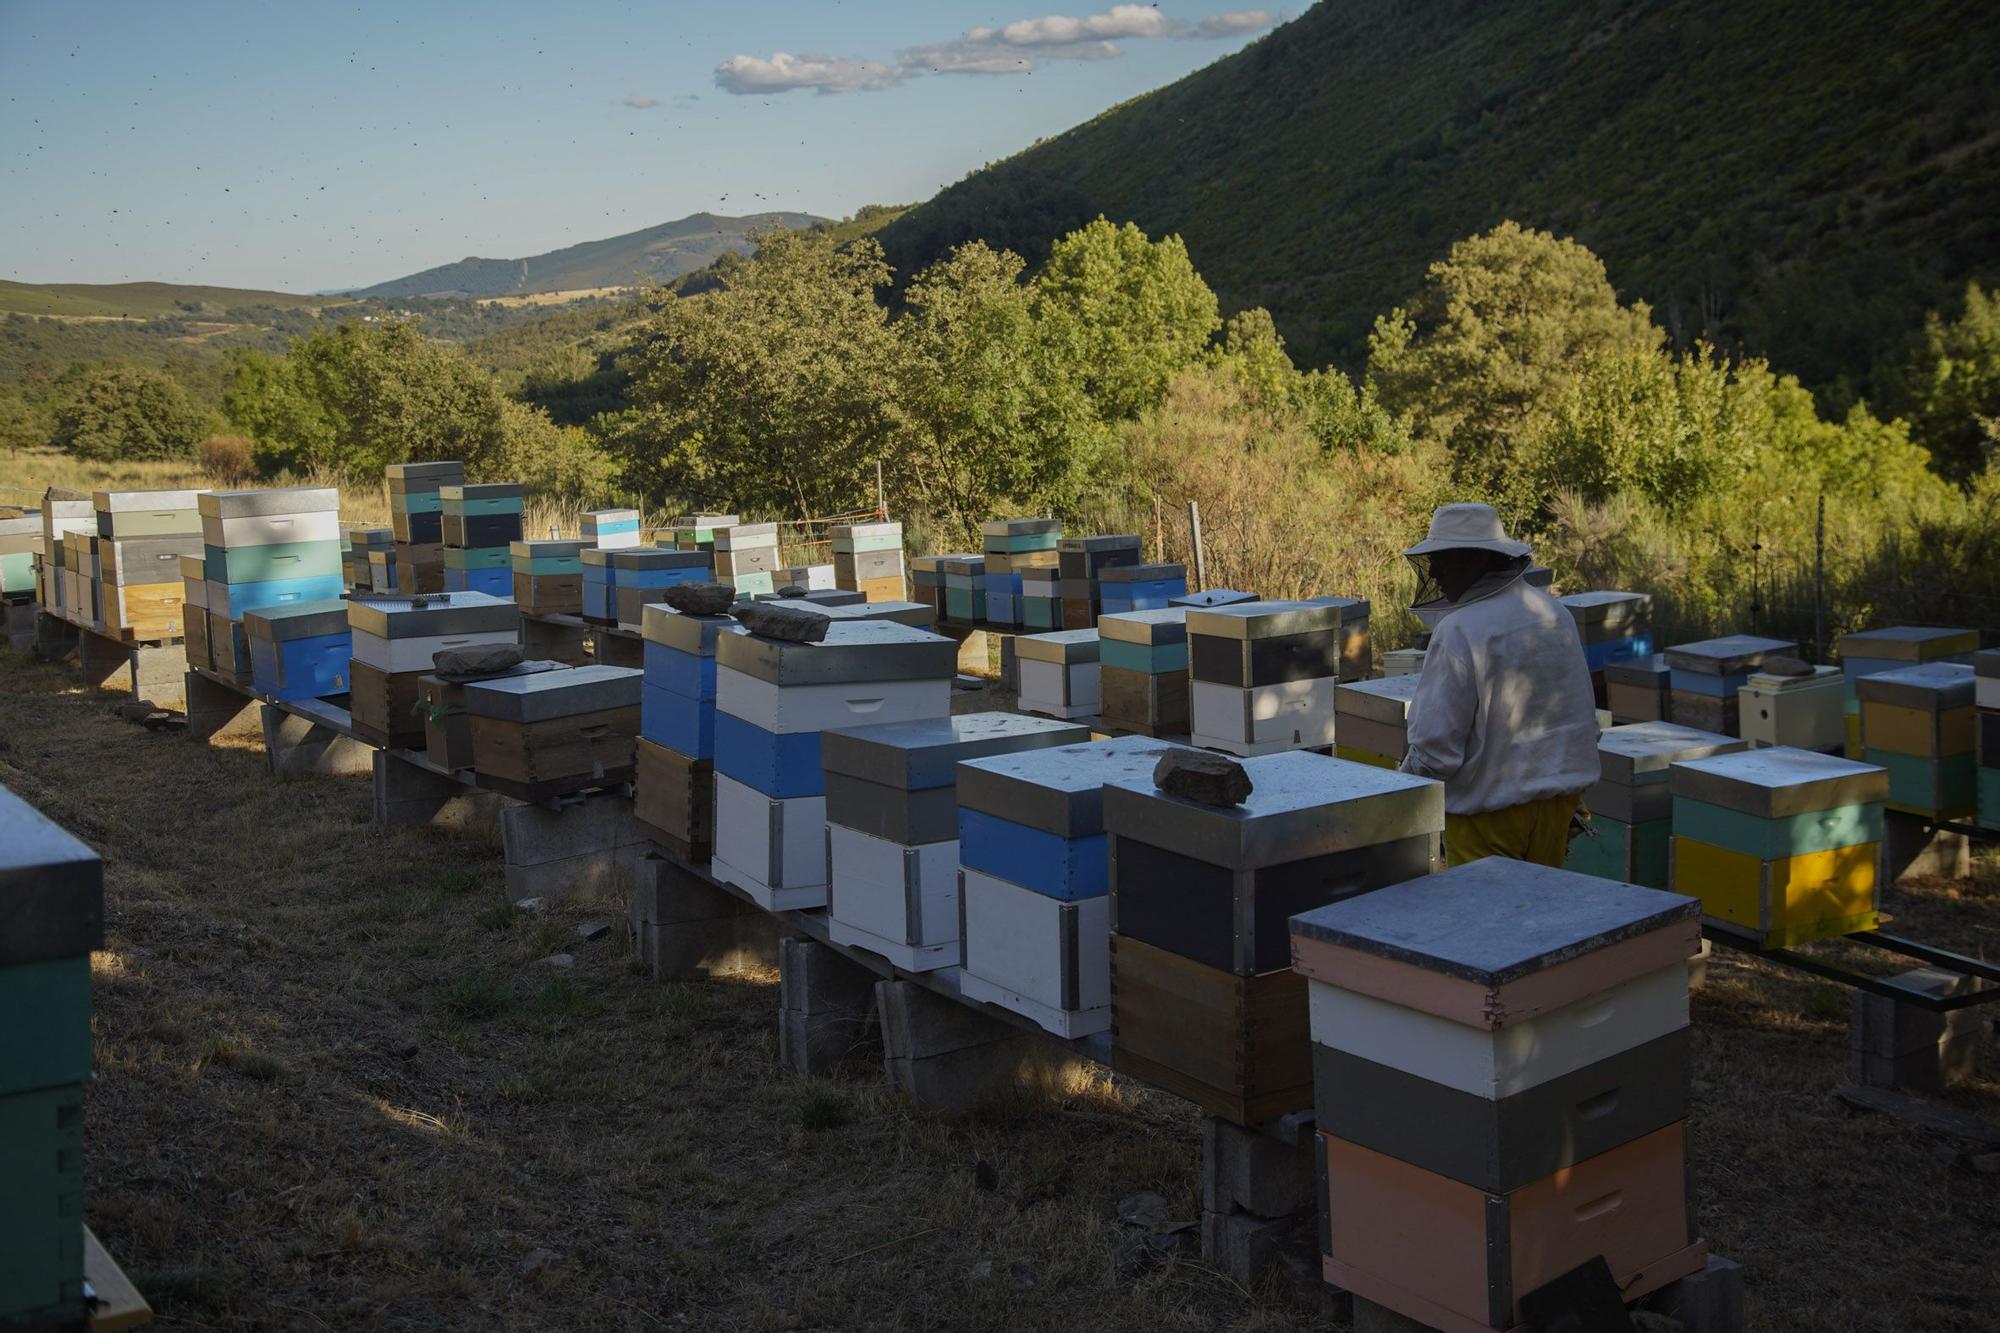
[1198, 775]
[477, 661]
[787, 624]
[700, 599]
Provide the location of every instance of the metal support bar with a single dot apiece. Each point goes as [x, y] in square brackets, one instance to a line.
[1876, 985]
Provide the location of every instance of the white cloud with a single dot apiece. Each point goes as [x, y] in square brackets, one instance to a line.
[1234, 24]
[1019, 47]
[785, 72]
[639, 103]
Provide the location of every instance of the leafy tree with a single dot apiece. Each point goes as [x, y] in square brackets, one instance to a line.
[1131, 313]
[1952, 386]
[121, 412]
[1338, 415]
[1505, 326]
[770, 394]
[23, 425]
[1000, 423]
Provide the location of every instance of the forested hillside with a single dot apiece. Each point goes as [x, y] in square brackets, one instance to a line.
[1795, 179]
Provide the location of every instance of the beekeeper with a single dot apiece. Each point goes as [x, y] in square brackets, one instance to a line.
[1503, 714]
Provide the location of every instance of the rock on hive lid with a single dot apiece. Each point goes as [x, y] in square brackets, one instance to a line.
[1058, 790]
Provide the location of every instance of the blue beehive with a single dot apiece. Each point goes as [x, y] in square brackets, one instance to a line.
[1125, 588]
[677, 700]
[301, 650]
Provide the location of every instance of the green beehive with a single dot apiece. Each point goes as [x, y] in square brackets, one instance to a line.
[51, 918]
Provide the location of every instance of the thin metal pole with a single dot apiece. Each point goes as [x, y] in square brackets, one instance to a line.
[881, 500]
[1159, 530]
[1194, 541]
[1819, 583]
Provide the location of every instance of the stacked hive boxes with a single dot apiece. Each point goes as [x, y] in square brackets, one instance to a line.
[1639, 690]
[1403, 662]
[194, 611]
[263, 549]
[1142, 676]
[892, 827]
[696, 532]
[77, 558]
[1868, 651]
[1035, 881]
[1058, 672]
[1781, 845]
[927, 582]
[813, 578]
[1372, 719]
[1041, 605]
[1707, 677]
[300, 650]
[1264, 674]
[1918, 722]
[416, 516]
[60, 518]
[141, 537]
[547, 576]
[394, 641]
[641, 576]
[20, 547]
[549, 733]
[1631, 807]
[1013, 546]
[1614, 627]
[964, 589]
[1122, 588]
[52, 900]
[447, 726]
[359, 565]
[772, 701]
[1802, 711]
[611, 529]
[868, 559]
[1081, 561]
[674, 788]
[746, 557]
[1214, 597]
[1204, 1000]
[1501, 1081]
[1986, 697]
[480, 526]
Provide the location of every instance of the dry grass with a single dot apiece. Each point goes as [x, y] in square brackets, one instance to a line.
[338, 1088]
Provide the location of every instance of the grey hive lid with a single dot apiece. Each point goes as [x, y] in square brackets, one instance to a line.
[439, 472]
[1645, 672]
[1386, 699]
[1494, 921]
[1213, 597]
[851, 530]
[1935, 686]
[596, 555]
[545, 695]
[1141, 573]
[1642, 752]
[1264, 620]
[1301, 805]
[657, 557]
[1058, 790]
[1726, 656]
[143, 502]
[1778, 782]
[914, 614]
[51, 888]
[706, 521]
[934, 564]
[926, 753]
[362, 538]
[297, 620]
[1606, 607]
[853, 650]
[1067, 646]
[485, 490]
[527, 550]
[270, 501]
[79, 508]
[1018, 527]
[663, 625]
[435, 613]
[1163, 626]
[1122, 541]
[598, 516]
[747, 534]
[964, 564]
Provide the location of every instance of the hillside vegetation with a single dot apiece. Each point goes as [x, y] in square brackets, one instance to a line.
[143, 300]
[1795, 179]
[639, 258]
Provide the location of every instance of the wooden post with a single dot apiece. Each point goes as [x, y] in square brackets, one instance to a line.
[1194, 543]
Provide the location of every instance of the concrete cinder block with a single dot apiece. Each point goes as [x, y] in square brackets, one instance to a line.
[408, 793]
[1912, 850]
[592, 847]
[1372, 1318]
[1893, 1044]
[607, 873]
[54, 637]
[21, 626]
[950, 1058]
[216, 710]
[1244, 1170]
[823, 1005]
[1710, 1301]
[1243, 1245]
[298, 745]
[688, 929]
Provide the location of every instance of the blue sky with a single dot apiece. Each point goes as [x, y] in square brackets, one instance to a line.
[306, 146]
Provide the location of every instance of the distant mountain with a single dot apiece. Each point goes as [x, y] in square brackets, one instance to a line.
[142, 300]
[1795, 177]
[657, 254]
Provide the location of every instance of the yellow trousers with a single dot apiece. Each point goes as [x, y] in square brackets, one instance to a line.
[1537, 831]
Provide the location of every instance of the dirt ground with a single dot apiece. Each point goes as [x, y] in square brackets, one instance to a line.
[337, 1087]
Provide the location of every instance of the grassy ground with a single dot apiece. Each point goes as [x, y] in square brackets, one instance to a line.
[338, 1087]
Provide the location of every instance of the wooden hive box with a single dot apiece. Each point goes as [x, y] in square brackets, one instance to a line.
[550, 733]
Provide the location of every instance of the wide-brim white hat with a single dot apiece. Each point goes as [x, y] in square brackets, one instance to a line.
[1460, 527]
